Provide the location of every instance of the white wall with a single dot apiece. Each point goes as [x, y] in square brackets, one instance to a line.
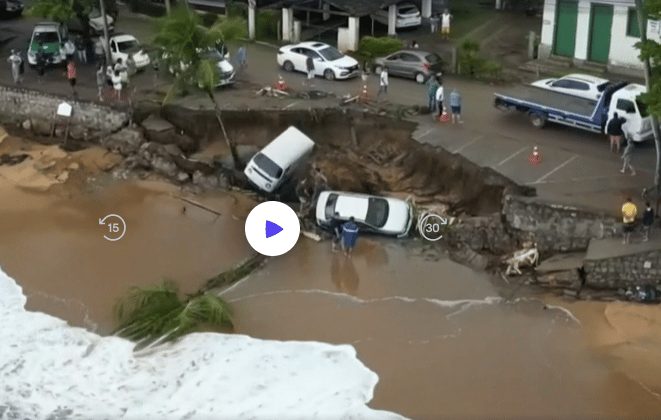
[623, 50]
[582, 30]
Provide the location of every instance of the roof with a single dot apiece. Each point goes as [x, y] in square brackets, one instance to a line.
[123, 37]
[586, 78]
[356, 8]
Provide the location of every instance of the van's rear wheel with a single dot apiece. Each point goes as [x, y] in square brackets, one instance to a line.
[288, 66]
[537, 120]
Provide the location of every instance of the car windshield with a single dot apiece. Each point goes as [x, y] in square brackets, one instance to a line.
[46, 37]
[211, 54]
[267, 165]
[329, 211]
[128, 45]
[408, 10]
[433, 59]
[642, 107]
[331, 54]
[377, 212]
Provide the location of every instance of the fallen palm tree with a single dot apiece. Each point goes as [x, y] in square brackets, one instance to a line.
[159, 313]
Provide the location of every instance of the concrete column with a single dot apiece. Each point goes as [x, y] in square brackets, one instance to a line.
[582, 30]
[326, 9]
[354, 33]
[297, 31]
[392, 20]
[426, 8]
[548, 29]
[251, 19]
[499, 4]
[287, 24]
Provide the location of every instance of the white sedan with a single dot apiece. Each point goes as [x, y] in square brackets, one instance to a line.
[121, 46]
[328, 61]
[408, 16]
[389, 216]
[581, 85]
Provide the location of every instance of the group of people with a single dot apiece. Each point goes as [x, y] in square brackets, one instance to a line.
[445, 19]
[615, 132]
[629, 215]
[436, 100]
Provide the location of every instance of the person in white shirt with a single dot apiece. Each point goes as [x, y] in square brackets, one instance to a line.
[383, 82]
[117, 84]
[439, 99]
[446, 17]
[15, 61]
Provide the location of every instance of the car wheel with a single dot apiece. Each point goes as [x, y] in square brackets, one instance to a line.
[378, 69]
[288, 66]
[537, 120]
[329, 74]
[420, 78]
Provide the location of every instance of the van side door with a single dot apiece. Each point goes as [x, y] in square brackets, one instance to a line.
[627, 109]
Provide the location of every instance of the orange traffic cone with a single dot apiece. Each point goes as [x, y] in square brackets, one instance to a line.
[364, 95]
[535, 158]
[445, 117]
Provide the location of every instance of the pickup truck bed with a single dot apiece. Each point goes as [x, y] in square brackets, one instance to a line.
[550, 99]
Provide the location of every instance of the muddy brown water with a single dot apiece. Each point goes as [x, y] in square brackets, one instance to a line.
[441, 340]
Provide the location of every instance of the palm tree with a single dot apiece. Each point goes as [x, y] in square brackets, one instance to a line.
[152, 314]
[183, 38]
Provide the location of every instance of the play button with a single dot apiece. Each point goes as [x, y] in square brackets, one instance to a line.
[272, 228]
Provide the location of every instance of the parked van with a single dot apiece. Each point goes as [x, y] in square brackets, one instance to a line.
[269, 168]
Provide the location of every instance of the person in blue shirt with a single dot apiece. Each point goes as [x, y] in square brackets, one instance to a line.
[349, 236]
[455, 106]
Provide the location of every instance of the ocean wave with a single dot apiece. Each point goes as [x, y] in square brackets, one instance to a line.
[49, 369]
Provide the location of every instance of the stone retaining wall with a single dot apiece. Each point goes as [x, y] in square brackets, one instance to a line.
[624, 271]
[19, 103]
[555, 228]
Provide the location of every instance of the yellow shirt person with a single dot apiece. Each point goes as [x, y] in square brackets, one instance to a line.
[629, 213]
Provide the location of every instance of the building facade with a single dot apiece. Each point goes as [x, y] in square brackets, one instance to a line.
[603, 32]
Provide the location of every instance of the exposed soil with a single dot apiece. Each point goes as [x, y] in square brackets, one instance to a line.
[361, 152]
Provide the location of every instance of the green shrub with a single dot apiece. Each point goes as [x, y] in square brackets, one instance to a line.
[235, 9]
[208, 19]
[491, 70]
[266, 24]
[372, 47]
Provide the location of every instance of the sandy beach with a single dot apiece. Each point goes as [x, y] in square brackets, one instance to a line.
[439, 335]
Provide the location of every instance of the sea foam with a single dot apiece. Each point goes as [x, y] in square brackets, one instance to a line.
[49, 369]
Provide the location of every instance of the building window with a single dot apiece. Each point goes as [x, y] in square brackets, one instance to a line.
[632, 23]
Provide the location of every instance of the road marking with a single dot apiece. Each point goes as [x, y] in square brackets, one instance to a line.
[556, 169]
[425, 133]
[581, 179]
[465, 145]
[290, 105]
[508, 158]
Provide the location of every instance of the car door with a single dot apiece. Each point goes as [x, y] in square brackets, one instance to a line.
[410, 65]
[300, 58]
[627, 108]
[320, 64]
[393, 62]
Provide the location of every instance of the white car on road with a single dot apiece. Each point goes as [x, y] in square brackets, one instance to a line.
[328, 61]
[581, 85]
[408, 16]
[123, 46]
[385, 215]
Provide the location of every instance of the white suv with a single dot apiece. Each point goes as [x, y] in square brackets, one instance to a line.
[328, 61]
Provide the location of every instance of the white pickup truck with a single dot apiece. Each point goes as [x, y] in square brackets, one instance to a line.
[123, 46]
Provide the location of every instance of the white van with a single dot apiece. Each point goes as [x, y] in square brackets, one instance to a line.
[269, 168]
[627, 104]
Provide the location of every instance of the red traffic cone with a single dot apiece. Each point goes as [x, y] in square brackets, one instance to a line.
[445, 117]
[364, 96]
[535, 158]
[281, 84]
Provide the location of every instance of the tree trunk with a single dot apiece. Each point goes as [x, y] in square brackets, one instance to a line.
[168, 7]
[235, 156]
[642, 25]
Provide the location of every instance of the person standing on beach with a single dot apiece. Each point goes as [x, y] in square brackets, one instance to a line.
[627, 155]
[648, 221]
[615, 132]
[349, 236]
[15, 62]
[336, 228]
[455, 106]
[629, 213]
[383, 82]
